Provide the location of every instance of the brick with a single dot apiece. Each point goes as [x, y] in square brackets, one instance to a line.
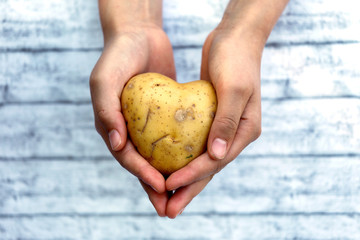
[75, 24]
[312, 126]
[185, 227]
[249, 185]
[287, 72]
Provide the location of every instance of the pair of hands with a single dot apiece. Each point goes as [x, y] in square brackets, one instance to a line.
[233, 67]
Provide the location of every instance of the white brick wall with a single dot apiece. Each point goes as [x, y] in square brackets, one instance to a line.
[300, 180]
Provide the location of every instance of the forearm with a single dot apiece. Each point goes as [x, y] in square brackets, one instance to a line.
[253, 19]
[117, 14]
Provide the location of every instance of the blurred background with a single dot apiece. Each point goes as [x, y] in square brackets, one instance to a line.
[299, 180]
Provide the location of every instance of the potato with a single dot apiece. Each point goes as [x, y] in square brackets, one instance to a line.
[168, 122]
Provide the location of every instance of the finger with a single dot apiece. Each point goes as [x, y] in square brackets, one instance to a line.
[197, 170]
[106, 83]
[132, 161]
[113, 124]
[204, 69]
[105, 95]
[249, 130]
[249, 127]
[158, 200]
[232, 99]
[183, 196]
[204, 166]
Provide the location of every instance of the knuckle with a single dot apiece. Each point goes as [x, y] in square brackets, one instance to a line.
[124, 159]
[141, 171]
[104, 119]
[102, 115]
[98, 128]
[192, 171]
[218, 167]
[93, 80]
[227, 125]
[257, 132]
[237, 88]
[255, 127]
[244, 89]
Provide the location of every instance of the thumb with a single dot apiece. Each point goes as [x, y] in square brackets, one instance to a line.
[109, 121]
[232, 100]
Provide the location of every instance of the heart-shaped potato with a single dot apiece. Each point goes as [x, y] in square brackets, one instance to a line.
[168, 122]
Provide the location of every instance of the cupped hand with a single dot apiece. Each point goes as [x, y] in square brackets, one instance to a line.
[232, 63]
[137, 48]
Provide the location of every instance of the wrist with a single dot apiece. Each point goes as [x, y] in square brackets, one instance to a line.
[251, 20]
[119, 16]
[244, 36]
[241, 37]
[132, 30]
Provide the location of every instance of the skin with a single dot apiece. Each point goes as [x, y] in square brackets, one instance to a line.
[134, 42]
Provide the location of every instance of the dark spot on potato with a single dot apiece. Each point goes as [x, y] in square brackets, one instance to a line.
[175, 141]
[189, 148]
[190, 113]
[180, 115]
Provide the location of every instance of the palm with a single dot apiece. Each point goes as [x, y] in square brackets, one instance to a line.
[151, 51]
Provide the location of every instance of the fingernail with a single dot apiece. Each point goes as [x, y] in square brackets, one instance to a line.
[181, 211]
[154, 189]
[115, 139]
[219, 148]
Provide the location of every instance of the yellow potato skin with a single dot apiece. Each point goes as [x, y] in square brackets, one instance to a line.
[168, 122]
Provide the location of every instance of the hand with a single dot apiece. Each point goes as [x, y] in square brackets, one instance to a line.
[233, 67]
[135, 43]
[137, 48]
[231, 61]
